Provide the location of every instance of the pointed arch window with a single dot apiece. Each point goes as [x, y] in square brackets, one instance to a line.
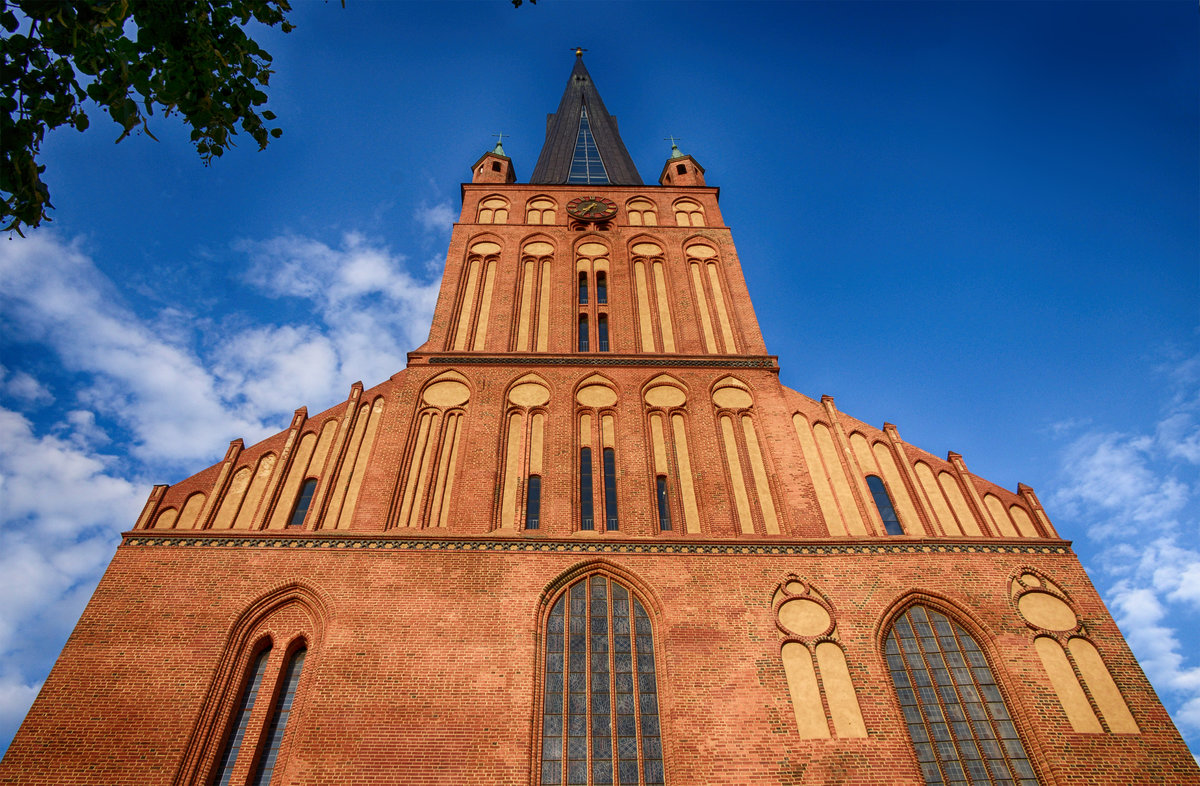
[279, 718]
[302, 503]
[959, 724]
[883, 503]
[600, 700]
[233, 744]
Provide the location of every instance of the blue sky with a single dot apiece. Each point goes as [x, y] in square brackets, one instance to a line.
[977, 221]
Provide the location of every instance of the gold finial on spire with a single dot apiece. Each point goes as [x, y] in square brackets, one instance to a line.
[579, 50]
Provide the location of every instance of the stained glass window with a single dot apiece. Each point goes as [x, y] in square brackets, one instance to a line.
[883, 502]
[586, 165]
[279, 719]
[956, 716]
[600, 706]
[234, 743]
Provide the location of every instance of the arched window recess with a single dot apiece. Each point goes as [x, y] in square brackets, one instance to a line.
[600, 688]
[957, 718]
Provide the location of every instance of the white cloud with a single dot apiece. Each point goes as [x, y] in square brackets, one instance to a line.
[372, 308]
[158, 390]
[23, 387]
[61, 508]
[68, 486]
[436, 218]
[1111, 477]
[1140, 615]
[1134, 494]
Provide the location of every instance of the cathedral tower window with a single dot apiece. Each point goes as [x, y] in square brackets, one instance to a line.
[883, 503]
[642, 213]
[233, 744]
[475, 297]
[688, 213]
[960, 726]
[279, 718]
[600, 695]
[532, 332]
[591, 265]
[541, 210]
[493, 210]
[522, 447]
[670, 460]
[533, 502]
[654, 310]
[587, 509]
[597, 453]
[610, 489]
[586, 164]
[664, 505]
[710, 300]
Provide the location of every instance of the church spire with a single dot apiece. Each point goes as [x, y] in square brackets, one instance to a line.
[582, 142]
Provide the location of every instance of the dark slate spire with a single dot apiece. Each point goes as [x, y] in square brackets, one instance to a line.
[582, 142]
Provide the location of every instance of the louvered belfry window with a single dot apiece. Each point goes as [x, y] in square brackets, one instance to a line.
[600, 702]
[960, 727]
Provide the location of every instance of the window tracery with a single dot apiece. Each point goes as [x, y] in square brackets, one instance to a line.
[599, 720]
[957, 718]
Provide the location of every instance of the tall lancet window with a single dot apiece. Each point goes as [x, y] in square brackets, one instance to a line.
[600, 707]
[586, 164]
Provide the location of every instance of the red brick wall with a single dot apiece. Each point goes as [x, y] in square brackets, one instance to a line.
[423, 665]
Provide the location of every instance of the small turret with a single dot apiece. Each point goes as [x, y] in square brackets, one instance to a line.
[494, 167]
[681, 169]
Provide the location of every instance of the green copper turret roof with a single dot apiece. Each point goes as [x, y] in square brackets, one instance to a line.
[582, 142]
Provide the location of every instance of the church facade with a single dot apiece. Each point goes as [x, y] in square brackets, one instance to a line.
[587, 537]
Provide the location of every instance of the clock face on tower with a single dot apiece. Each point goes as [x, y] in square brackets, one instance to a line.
[592, 208]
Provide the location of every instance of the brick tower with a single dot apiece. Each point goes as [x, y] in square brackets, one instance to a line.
[587, 537]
